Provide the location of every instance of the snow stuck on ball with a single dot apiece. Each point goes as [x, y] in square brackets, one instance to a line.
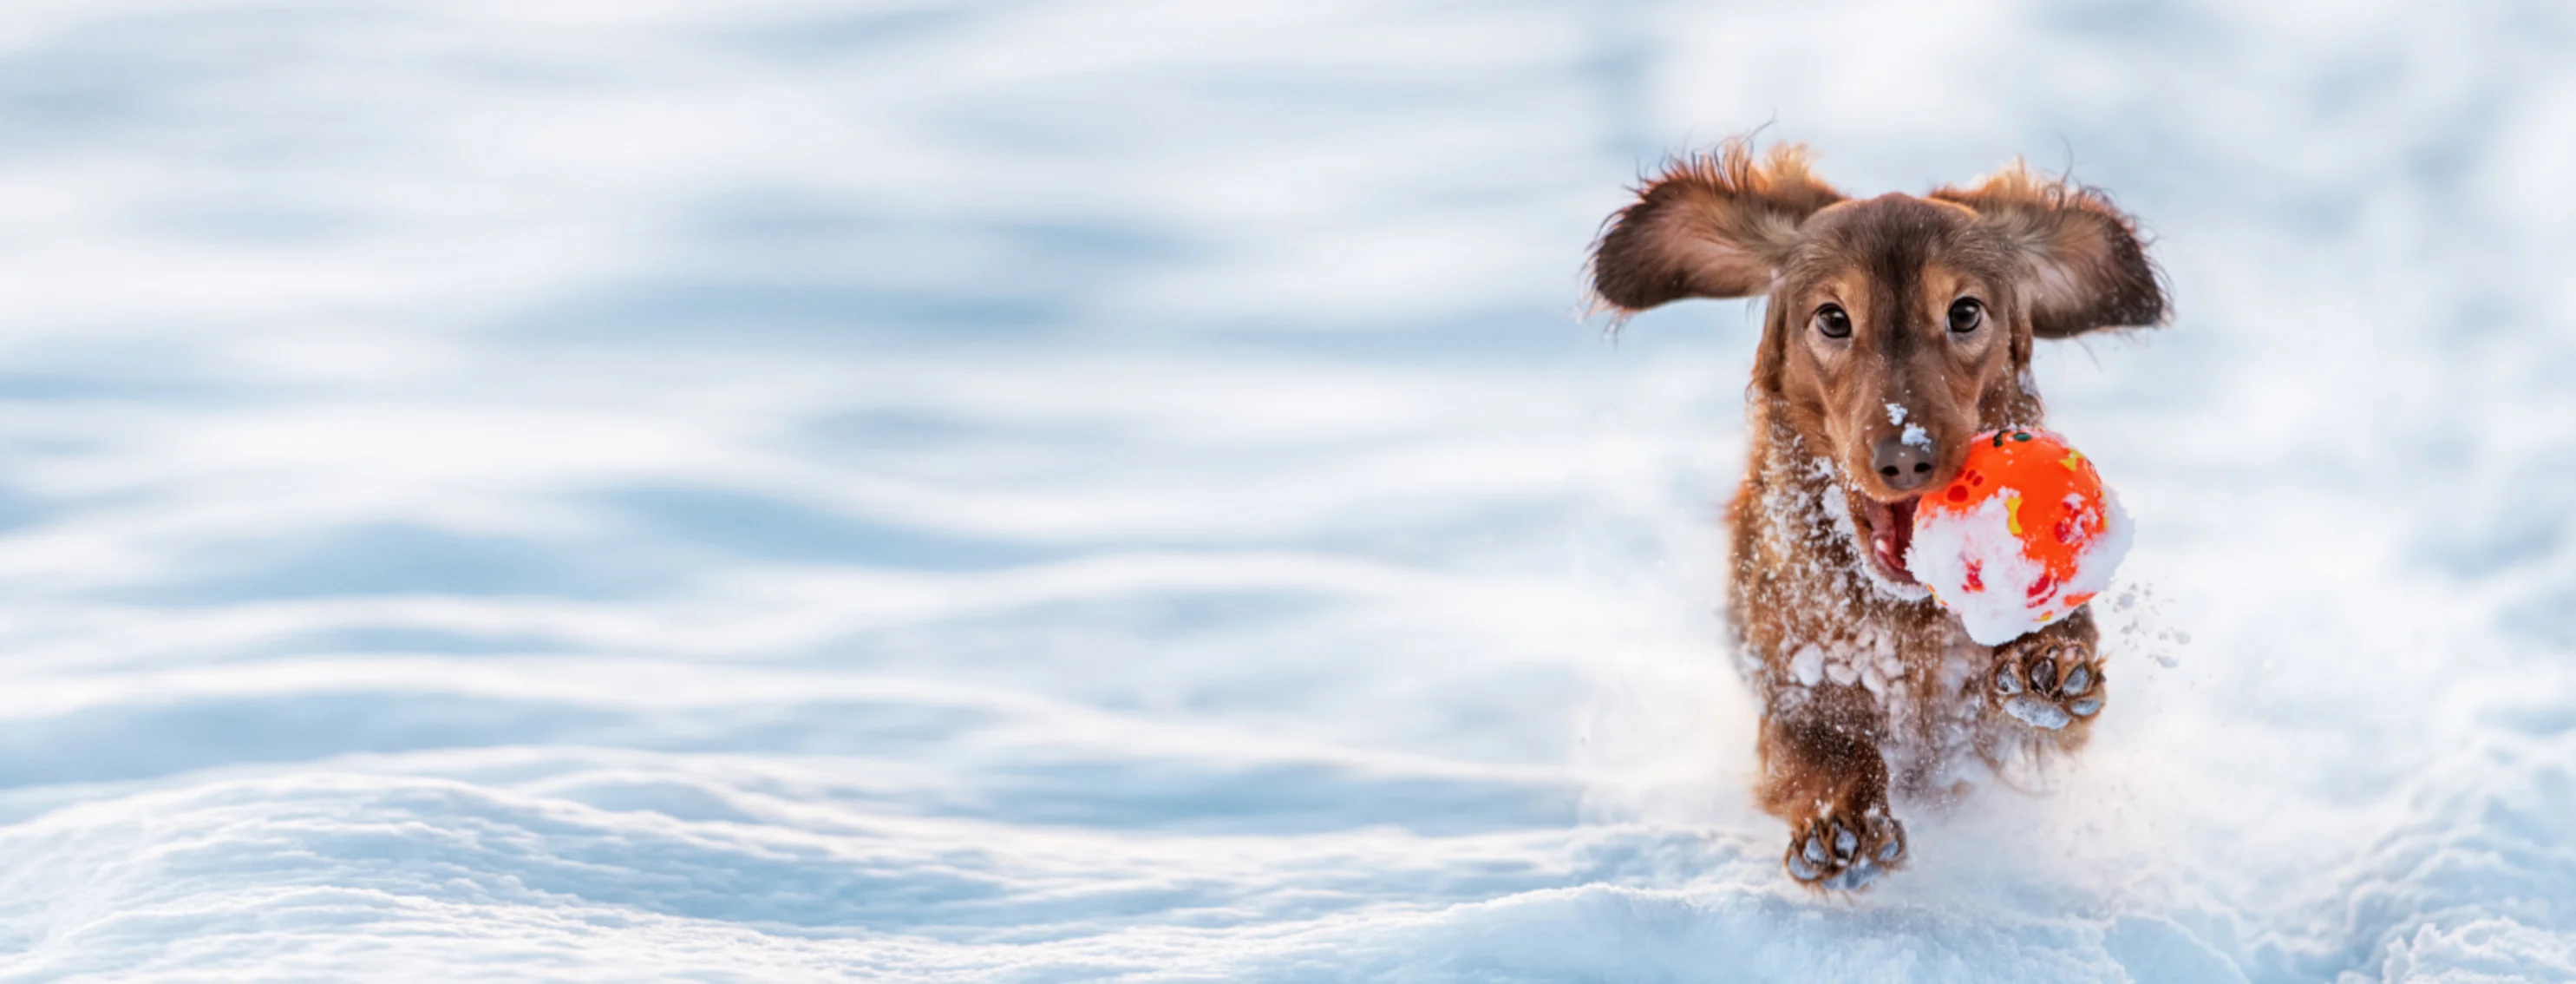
[2025, 535]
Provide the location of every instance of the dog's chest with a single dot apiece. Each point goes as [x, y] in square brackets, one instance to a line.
[1812, 618]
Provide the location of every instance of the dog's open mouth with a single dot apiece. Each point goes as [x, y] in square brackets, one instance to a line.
[1890, 531]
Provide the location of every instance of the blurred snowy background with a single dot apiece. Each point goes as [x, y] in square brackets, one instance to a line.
[1061, 491]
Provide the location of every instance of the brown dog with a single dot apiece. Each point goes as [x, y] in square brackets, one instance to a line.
[1885, 314]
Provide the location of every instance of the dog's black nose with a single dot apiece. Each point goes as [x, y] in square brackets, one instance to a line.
[1903, 466]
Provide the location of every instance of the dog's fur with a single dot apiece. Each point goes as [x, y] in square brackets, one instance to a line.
[1867, 688]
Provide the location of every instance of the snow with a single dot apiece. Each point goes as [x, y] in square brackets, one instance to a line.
[1807, 665]
[780, 491]
[1947, 546]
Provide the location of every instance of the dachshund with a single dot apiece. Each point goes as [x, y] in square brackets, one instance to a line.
[1887, 321]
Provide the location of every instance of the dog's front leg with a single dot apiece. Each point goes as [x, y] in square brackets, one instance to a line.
[2051, 678]
[1822, 772]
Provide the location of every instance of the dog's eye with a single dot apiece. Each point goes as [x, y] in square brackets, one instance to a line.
[1831, 322]
[1966, 314]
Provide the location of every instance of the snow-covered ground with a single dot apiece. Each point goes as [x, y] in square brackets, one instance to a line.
[775, 491]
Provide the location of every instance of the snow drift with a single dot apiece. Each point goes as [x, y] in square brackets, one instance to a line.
[789, 491]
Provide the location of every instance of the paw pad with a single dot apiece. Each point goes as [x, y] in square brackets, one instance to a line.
[2050, 688]
[1845, 854]
[2043, 671]
[2078, 680]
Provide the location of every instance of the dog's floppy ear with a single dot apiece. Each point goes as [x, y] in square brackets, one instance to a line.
[2087, 268]
[1713, 225]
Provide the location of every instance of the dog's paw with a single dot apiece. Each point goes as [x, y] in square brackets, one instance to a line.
[1845, 851]
[2048, 683]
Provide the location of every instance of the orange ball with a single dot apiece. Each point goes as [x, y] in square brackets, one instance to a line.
[2025, 535]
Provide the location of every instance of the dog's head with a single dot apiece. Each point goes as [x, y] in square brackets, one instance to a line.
[1898, 327]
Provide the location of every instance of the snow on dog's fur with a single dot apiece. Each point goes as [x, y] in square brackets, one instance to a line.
[1896, 328]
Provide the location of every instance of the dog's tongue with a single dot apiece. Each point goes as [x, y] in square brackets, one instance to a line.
[1891, 534]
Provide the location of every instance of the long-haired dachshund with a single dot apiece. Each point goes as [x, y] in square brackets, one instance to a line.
[1883, 315]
